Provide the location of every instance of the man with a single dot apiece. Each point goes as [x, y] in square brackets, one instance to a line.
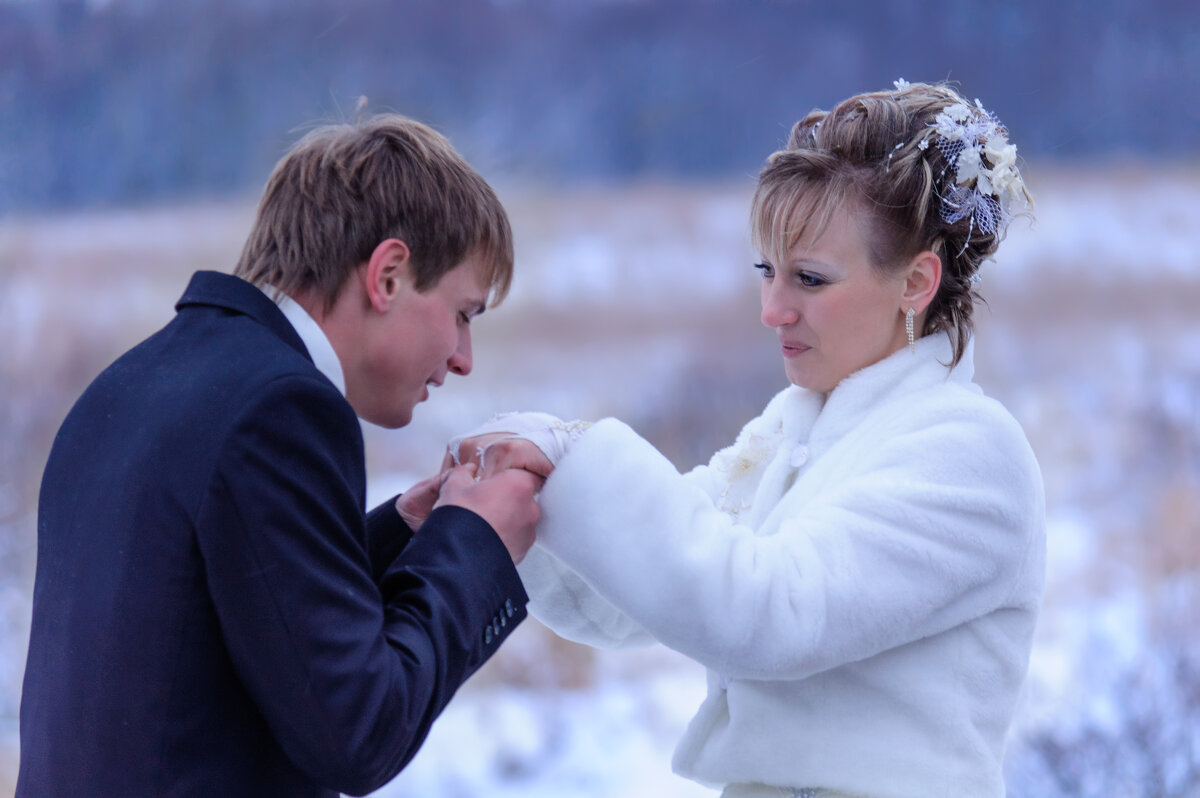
[213, 614]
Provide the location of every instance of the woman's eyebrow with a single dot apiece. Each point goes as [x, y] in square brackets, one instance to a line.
[806, 261]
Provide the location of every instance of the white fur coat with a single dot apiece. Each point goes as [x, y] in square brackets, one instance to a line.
[861, 576]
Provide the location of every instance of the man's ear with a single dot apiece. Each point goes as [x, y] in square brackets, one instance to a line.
[922, 278]
[388, 271]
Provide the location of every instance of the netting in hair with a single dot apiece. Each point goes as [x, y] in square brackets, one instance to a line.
[987, 183]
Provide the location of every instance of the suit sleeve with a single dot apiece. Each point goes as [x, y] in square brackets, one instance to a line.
[387, 535]
[349, 670]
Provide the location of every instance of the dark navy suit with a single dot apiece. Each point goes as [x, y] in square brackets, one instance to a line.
[213, 614]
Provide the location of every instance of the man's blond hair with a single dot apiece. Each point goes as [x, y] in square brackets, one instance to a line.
[343, 189]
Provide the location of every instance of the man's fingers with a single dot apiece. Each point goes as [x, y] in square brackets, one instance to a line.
[507, 502]
[415, 504]
[457, 480]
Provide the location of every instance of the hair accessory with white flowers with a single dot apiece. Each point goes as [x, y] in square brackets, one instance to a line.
[987, 184]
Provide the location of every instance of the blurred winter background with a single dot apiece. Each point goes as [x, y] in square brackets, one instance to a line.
[624, 136]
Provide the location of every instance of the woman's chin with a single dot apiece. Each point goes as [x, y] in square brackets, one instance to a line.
[805, 377]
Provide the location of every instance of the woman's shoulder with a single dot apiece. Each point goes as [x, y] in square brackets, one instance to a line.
[966, 403]
[956, 422]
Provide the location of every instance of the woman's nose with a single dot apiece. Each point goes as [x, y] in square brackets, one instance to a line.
[777, 310]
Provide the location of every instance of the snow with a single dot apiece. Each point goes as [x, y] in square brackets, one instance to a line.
[606, 741]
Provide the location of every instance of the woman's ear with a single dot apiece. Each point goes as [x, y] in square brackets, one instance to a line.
[921, 282]
[388, 271]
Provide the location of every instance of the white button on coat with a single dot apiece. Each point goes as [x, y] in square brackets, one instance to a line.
[799, 456]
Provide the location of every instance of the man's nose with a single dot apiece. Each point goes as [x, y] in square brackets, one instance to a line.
[461, 361]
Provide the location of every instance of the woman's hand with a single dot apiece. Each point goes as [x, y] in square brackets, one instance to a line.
[491, 454]
[499, 451]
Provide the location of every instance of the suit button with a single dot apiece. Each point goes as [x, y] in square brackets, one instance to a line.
[487, 635]
[503, 620]
[508, 607]
[496, 627]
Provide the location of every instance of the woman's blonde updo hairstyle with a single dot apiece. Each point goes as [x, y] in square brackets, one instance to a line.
[868, 152]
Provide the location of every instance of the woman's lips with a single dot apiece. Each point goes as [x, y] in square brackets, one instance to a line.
[793, 349]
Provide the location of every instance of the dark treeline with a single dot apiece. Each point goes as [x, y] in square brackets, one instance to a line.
[136, 100]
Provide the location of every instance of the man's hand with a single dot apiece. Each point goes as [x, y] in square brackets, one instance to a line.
[416, 503]
[505, 501]
[501, 452]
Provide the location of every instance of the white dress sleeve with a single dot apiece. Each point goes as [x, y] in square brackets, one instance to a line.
[919, 537]
[560, 599]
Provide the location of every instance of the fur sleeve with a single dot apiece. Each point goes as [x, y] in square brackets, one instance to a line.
[926, 527]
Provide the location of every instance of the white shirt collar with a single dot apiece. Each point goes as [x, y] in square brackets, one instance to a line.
[314, 338]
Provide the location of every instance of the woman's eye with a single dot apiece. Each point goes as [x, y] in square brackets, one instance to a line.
[766, 269]
[464, 318]
[810, 280]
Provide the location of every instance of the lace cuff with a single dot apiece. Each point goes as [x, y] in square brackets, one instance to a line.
[550, 434]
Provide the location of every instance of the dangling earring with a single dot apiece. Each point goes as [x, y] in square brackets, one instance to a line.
[908, 328]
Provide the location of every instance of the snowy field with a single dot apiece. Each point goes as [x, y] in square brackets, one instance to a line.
[640, 302]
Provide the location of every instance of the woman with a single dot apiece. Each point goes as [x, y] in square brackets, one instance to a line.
[861, 570]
